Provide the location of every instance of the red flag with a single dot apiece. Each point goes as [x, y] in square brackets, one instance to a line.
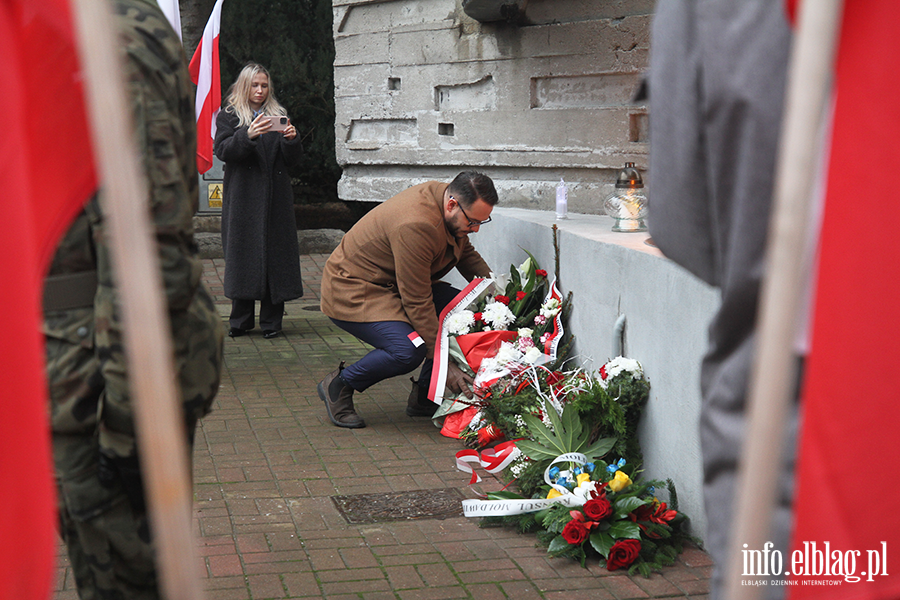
[849, 463]
[47, 176]
[205, 73]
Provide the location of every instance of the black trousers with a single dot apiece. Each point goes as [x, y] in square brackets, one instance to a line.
[270, 314]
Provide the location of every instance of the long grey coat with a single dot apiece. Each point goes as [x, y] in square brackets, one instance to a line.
[259, 229]
[717, 79]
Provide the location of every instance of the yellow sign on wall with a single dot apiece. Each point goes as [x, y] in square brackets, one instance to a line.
[215, 195]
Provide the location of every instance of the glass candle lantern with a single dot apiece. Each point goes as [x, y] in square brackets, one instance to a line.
[628, 203]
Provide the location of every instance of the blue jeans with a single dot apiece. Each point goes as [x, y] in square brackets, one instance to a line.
[394, 352]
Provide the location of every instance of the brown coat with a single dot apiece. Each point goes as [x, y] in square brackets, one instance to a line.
[385, 265]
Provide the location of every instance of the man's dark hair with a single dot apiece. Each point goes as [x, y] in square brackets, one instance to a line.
[469, 186]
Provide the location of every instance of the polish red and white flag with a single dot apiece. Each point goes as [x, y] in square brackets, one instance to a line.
[205, 74]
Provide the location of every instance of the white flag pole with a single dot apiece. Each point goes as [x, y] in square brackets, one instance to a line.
[774, 370]
[151, 376]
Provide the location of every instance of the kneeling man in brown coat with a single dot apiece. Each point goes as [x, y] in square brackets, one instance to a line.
[382, 284]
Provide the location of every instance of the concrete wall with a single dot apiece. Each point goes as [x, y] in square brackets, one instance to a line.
[667, 312]
[423, 91]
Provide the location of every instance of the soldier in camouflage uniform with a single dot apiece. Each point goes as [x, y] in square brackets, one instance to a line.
[101, 503]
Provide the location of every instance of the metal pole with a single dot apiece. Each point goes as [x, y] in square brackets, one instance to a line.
[772, 382]
[151, 376]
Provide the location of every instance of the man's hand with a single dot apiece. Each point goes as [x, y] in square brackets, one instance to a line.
[458, 381]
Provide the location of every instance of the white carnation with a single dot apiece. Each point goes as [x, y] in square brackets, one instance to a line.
[460, 323]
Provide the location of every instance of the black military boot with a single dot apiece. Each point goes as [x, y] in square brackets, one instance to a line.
[338, 399]
[418, 404]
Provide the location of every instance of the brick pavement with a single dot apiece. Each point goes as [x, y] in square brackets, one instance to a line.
[267, 461]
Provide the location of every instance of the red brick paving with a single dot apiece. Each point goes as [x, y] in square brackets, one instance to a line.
[267, 461]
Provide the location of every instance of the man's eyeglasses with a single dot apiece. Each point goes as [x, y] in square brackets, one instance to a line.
[472, 222]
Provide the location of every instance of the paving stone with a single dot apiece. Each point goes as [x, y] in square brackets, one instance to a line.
[267, 462]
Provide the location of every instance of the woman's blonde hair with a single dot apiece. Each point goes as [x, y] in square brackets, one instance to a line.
[238, 100]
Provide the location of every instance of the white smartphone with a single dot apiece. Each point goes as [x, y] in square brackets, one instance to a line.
[279, 123]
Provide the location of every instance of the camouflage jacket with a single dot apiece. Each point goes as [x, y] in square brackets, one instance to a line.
[84, 345]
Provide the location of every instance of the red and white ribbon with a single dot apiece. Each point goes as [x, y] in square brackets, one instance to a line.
[492, 460]
[473, 292]
[551, 346]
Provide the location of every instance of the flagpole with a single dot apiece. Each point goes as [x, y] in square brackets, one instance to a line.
[151, 376]
[774, 371]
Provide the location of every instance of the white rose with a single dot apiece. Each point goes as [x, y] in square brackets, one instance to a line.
[507, 353]
[525, 332]
[532, 355]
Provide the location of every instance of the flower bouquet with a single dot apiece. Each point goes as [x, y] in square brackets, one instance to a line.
[621, 520]
[494, 329]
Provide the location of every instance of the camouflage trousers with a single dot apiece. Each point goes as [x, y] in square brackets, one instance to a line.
[109, 545]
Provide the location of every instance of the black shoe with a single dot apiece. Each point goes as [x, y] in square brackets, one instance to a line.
[235, 332]
[270, 333]
[338, 399]
[418, 404]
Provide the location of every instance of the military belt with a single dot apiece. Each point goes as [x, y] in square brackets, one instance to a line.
[70, 290]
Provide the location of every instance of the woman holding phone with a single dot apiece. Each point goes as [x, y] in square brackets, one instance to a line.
[256, 141]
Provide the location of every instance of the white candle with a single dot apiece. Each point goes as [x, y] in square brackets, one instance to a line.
[562, 200]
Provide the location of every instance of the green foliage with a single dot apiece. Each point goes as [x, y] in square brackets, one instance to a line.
[630, 395]
[566, 436]
[593, 422]
[293, 40]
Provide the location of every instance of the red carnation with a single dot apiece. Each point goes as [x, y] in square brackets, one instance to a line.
[520, 294]
[622, 553]
[575, 532]
[598, 508]
[603, 373]
[478, 317]
[540, 272]
[502, 299]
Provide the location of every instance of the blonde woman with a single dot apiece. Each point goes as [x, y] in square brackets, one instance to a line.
[259, 229]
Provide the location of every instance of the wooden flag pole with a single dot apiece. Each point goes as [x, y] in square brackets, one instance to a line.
[774, 370]
[151, 375]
